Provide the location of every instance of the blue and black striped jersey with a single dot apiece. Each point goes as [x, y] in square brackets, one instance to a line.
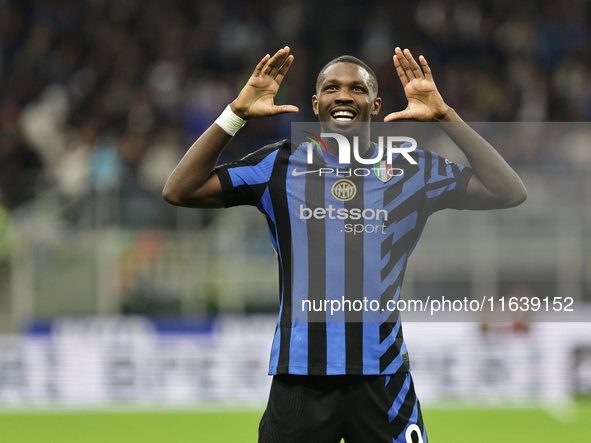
[342, 233]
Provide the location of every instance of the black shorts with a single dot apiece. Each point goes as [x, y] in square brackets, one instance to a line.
[358, 408]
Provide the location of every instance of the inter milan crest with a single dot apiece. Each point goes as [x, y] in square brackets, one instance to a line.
[383, 170]
[344, 190]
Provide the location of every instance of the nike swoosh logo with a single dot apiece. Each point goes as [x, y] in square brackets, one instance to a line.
[297, 173]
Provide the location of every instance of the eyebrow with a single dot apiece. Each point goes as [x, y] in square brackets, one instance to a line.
[339, 80]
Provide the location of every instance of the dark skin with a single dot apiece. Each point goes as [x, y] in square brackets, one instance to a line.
[194, 183]
[346, 87]
[494, 184]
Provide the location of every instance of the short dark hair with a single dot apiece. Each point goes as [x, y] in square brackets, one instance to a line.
[373, 80]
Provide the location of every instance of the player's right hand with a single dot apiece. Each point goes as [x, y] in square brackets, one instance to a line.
[256, 98]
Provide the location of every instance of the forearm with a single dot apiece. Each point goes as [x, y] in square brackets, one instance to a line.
[193, 182]
[498, 185]
[194, 172]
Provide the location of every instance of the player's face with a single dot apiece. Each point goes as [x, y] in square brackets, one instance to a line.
[345, 96]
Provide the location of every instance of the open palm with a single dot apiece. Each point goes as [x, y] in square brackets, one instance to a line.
[256, 98]
[424, 101]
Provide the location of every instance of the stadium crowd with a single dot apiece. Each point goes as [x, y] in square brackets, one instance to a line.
[107, 95]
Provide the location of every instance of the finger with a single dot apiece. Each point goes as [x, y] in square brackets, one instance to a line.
[280, 62]
[405, 65]
[269, 65]
[416, 69]
[284, 109]
[283, 70]
[400, 71]
[277, 61]
[259, 67]
[398, 116]
[426, 68]
[279, 65]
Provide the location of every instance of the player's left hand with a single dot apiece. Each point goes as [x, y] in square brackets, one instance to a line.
[424, 100]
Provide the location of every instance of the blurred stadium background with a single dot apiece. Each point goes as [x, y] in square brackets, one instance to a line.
[113, 302]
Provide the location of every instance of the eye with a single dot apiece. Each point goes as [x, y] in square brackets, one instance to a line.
[358, 88]
[330, 88]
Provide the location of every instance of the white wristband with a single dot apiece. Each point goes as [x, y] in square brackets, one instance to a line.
[229, 121]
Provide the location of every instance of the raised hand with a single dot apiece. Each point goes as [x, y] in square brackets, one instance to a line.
[256, 98]
[424, 101]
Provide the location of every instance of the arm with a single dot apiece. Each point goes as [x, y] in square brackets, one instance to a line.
[495, 184]
[194, 182]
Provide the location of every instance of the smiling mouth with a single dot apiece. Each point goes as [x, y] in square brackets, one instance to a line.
[343, 116]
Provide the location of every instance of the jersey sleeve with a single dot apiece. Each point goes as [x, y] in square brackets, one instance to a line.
[446, 182]
[244, 181]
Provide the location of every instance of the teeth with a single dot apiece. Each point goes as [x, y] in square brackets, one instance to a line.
[343, 116]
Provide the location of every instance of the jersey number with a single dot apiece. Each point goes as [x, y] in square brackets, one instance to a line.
[409, 432]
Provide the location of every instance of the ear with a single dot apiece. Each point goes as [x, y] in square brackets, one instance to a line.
[315, 104]
[377, 105]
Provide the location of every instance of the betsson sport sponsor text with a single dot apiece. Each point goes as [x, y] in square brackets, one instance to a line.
[349, 214]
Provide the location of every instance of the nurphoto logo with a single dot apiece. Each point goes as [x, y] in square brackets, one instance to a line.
[405, 146]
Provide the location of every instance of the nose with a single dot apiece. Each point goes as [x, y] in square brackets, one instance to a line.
[343, 96]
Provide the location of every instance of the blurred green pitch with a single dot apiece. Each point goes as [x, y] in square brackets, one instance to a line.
[443, 425]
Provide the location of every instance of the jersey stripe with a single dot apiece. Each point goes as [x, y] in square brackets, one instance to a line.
[278, 184]
[335, 287]
[298, 353]
[354, 267]
[439, 191]
[316, 261]
[391, 359]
